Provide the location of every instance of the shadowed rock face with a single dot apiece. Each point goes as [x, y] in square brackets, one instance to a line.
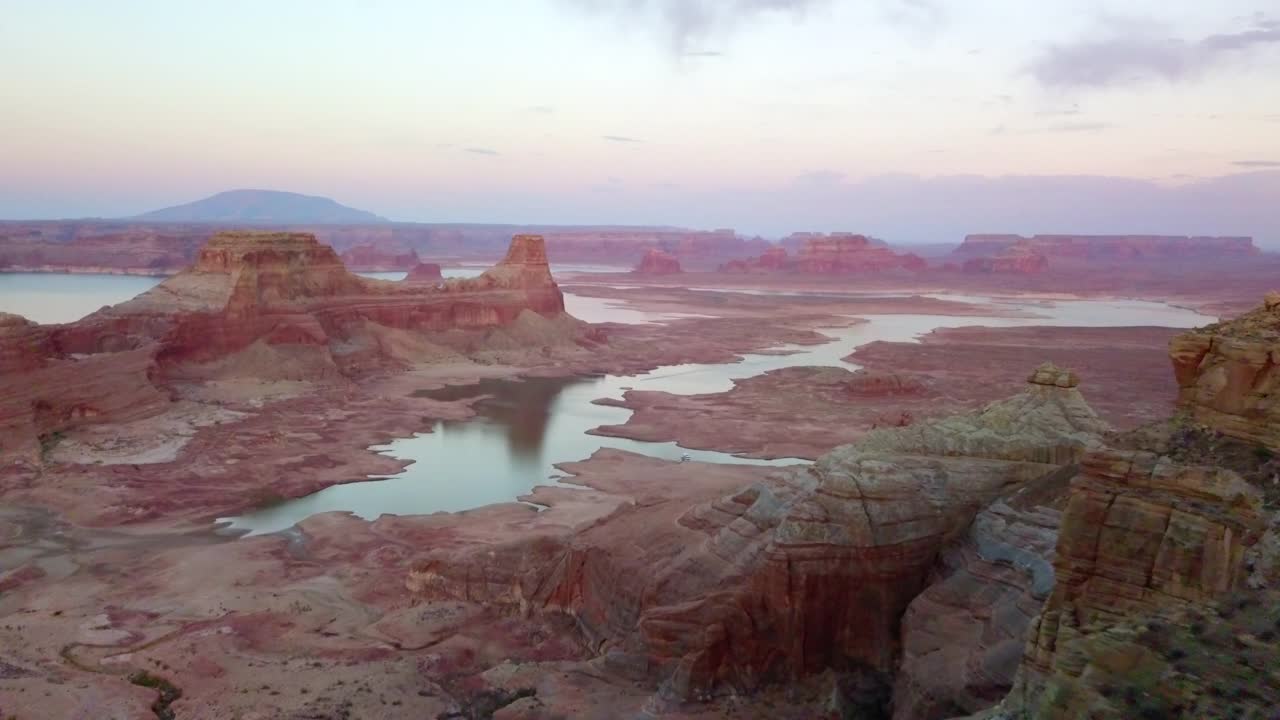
[1229, 374]
[809, 570]
[270, 306]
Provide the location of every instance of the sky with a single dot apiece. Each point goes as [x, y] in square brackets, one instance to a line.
[915, 120]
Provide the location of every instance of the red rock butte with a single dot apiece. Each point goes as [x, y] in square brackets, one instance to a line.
[267, 305]
[658, 262]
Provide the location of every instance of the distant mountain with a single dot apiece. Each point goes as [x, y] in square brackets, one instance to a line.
[268, 207]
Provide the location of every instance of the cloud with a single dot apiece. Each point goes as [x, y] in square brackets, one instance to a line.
[1128, 52]
[621, 139]
[690, 23]
[541, 109]
[480, 151]
[1257, 163]
[702, 54]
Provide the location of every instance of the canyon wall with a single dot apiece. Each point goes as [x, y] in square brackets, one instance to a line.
[1167, 564]
[1229, 374]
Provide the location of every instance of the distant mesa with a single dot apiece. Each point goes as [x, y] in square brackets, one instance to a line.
[1022, 258]
[424, 272]
[839, 253]
[658, 262]
[265, 207]
[379, 257]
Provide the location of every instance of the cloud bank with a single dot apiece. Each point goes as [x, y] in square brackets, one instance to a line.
[1127, 52]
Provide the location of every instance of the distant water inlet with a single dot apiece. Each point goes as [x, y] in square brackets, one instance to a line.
[524, 427]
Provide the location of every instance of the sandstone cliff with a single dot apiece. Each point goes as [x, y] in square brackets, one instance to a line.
[1168, 555]
[1229, 374]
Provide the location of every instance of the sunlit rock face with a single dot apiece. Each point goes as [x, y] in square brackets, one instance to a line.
[1229, 374]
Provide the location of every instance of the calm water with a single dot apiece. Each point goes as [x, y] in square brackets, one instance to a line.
[525, 427]
[60, 298]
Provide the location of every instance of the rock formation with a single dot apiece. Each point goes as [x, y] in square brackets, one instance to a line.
[1229, 374]
[658, 262]
[1168, 533]
[852, 253]
[424, 272]
[270, 306]
[809, 570]
[1020, 258]
[45, 390]
[771, 260]
[835, 254]
[379, 257]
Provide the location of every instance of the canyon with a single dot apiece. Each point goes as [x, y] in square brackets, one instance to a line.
[978, 531]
